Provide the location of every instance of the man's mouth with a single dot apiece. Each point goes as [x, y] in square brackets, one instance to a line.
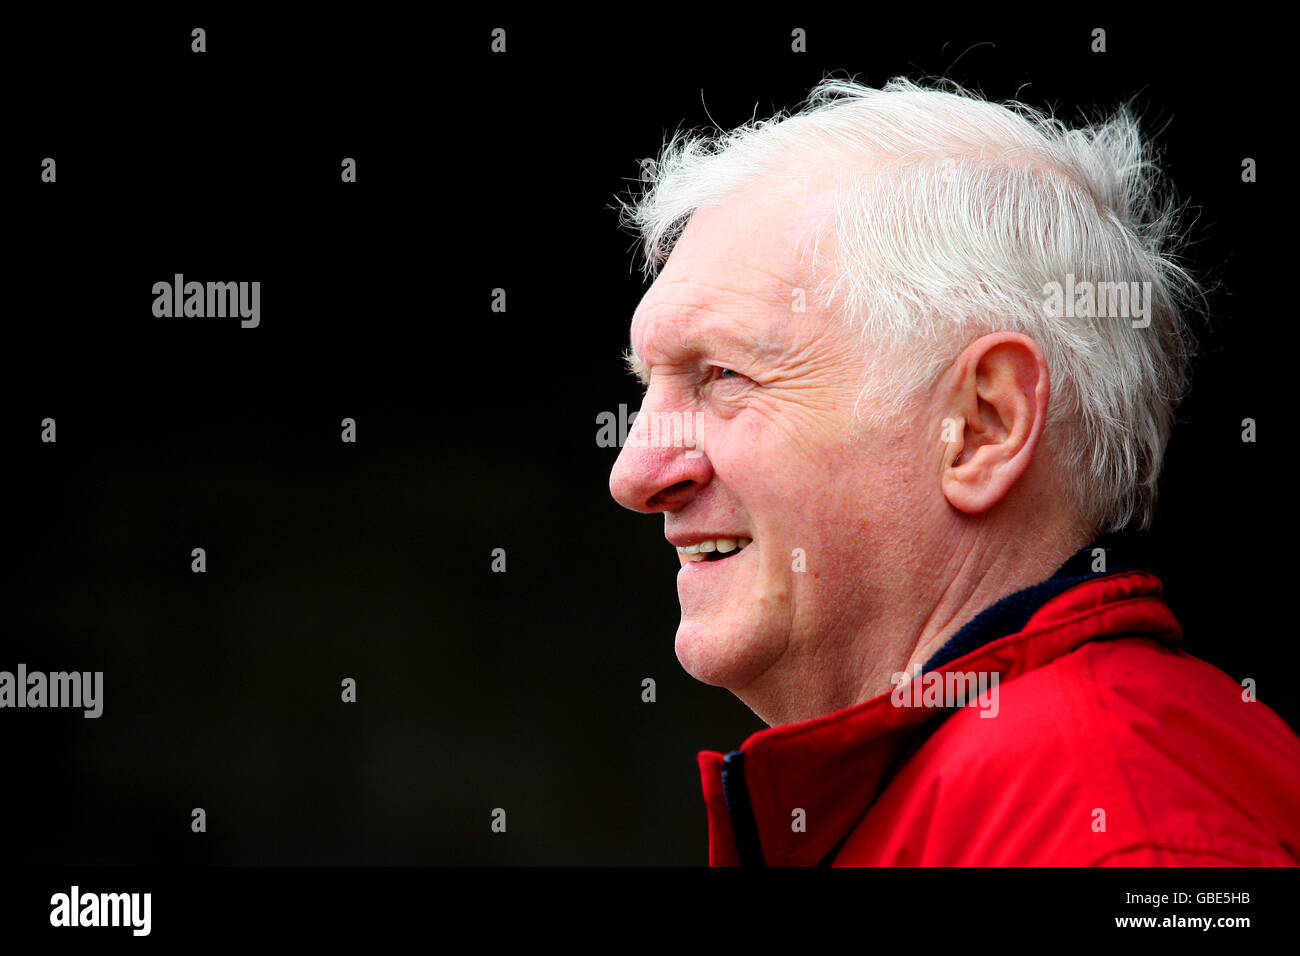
[713, 549]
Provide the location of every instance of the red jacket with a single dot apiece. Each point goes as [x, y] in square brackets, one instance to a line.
[1109, 744]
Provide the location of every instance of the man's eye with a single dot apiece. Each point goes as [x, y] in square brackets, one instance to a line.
[728, 373]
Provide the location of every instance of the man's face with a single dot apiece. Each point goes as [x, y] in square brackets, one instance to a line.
[772, 392]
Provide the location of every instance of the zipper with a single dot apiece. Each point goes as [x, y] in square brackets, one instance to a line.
[741, 811]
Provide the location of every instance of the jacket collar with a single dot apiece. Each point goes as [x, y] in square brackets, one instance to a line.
[833, 767]
[1122, 551]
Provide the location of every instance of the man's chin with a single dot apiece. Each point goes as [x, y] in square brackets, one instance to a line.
[722, 655]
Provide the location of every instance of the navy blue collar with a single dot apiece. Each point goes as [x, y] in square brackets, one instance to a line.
[1122, 552]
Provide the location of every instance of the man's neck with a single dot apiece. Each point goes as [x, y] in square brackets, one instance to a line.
[1012, 567]
[975, 574]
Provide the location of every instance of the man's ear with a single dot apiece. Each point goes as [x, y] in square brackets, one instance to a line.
[996, 396]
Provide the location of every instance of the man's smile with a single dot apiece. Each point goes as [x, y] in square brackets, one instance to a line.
[711, 551]
[695, 549]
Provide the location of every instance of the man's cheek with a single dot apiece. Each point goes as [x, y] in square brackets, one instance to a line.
[811, 440]
[787, 446]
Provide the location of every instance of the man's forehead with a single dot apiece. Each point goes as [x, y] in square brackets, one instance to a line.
[669, 326]
[736, 269]
[769, 228]
[703, 310]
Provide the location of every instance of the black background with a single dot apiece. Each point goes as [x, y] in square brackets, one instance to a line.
[476, 429]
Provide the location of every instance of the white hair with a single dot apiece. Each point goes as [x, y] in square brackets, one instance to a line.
[952, 216]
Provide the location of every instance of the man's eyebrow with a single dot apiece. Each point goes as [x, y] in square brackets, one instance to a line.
[636, 366]
[708, 340]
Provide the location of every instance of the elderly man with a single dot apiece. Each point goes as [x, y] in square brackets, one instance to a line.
[929, 348]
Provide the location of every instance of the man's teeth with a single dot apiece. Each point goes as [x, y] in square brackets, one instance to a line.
[696, 552]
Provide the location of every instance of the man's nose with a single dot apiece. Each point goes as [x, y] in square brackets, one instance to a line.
[662, 465]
